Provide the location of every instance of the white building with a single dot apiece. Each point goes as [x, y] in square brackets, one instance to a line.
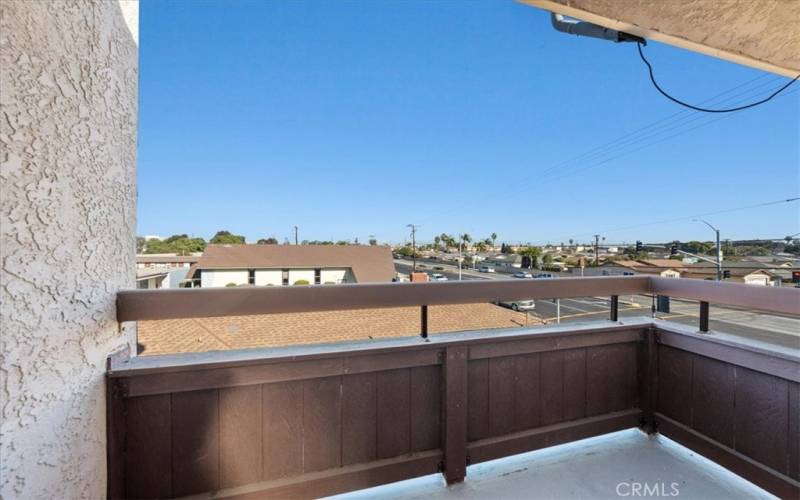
[277, 265]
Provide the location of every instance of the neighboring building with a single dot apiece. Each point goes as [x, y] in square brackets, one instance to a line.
[504, 260]
[165, 260]
[160, 278]
[276, 265]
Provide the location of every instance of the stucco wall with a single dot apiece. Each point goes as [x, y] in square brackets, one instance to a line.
[220, 278]
[68, 111]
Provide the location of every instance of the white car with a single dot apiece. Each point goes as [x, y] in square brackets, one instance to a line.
[518, 305]
[486, 269]
[522, 274]
[438, 277]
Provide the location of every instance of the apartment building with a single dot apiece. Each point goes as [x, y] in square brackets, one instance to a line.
[277, 265]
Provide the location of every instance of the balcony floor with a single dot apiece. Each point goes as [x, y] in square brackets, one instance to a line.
[592, 468]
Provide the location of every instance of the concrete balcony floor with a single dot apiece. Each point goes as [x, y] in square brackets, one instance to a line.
[607, 466]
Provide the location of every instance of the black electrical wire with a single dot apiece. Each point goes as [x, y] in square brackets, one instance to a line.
[706, 110]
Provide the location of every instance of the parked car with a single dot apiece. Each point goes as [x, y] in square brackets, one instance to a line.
[438, 268]
[522, 274]
[545, 276]
[518, 305]
[438, 277]
[486, 269]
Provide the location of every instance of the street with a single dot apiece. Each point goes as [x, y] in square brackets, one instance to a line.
[771, 329]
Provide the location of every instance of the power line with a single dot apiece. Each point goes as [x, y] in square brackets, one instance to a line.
[629, 152]
[698, 108]
[627, 140]
[686, 217]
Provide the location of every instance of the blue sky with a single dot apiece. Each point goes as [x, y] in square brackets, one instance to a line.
[355, 118]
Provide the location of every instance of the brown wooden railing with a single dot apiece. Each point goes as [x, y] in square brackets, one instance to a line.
[315, 420]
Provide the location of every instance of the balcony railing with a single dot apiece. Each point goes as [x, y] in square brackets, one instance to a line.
[309, 421]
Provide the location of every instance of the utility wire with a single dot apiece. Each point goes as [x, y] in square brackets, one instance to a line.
[687, 217]
[626, 140]
[698, 108]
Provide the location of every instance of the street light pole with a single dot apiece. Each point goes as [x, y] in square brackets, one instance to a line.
[413, 247]
[719, 249]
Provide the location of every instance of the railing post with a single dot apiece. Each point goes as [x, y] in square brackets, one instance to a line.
[423, 321]
[614, 314]
[455, 414]
[650, 382]
[704, 317]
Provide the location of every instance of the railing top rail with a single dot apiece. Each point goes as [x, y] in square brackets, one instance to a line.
[135, 305]
[783, 300]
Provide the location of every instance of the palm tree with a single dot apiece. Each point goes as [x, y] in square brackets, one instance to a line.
[436, 241]
[494, 237]
[466, 239]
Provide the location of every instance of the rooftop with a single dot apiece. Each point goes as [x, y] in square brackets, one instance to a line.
[273, 330]
[369, 263]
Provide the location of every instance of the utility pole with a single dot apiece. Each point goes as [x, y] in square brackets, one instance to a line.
[413, 246]
[596, 250]
[295, 235]
[719, 249]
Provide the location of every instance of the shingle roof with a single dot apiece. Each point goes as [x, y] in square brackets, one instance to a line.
[368, 263]
[273, 330]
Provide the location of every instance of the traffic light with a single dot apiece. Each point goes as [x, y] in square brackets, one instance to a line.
[673, 250]
[639, 246]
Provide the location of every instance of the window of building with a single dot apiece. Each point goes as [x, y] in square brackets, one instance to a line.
[251, 276]
[285, 276]
[317, 276]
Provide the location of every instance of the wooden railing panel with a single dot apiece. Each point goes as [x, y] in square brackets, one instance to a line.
[762, 407]
[406, 410]
[394, 413]
[148, 453]
[195, 442]
[426, 408]
[713, 384]
[240, 435]
[742, 418]
[611, 376]
[282, 444]
[359, 414]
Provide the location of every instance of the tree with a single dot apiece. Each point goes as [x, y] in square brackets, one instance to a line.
[227, 238]
[342, 242]
[481, 246]
[494, 237]
[436, 240]
[531, 255]
[405, 251]
[140, 244]
[268, 241]
[373, 242]
[179, 244]
[465, 239]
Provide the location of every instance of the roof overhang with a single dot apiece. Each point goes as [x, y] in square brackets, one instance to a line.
[763, 34]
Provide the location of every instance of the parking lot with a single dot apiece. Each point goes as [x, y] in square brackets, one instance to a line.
[771, 329]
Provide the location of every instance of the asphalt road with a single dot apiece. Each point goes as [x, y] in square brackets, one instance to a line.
[772, 329]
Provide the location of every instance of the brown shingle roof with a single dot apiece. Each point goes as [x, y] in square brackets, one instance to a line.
[369, 263]
[273, 330]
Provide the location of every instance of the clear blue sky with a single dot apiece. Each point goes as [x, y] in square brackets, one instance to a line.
[353, 118]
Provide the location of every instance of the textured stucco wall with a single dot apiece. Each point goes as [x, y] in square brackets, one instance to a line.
[68, 111]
